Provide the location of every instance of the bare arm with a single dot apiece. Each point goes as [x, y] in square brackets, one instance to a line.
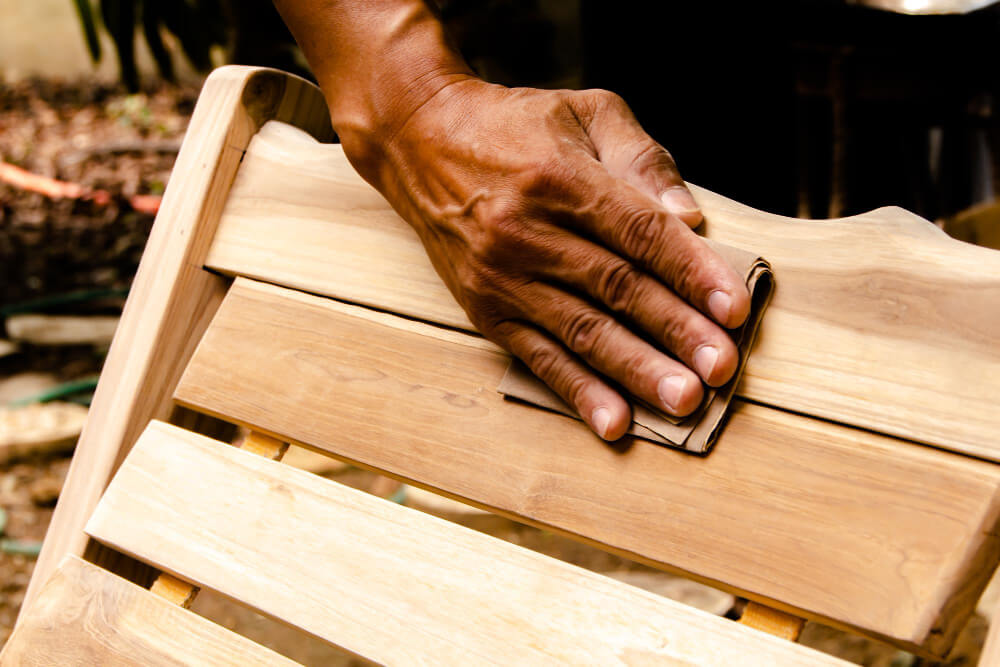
[561, 228]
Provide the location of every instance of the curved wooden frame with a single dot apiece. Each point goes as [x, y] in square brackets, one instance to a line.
[173, 297]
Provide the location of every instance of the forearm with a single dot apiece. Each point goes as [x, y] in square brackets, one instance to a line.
[377, 63]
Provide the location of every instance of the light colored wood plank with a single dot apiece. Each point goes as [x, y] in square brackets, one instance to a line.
[62, 329]
[772, 621]
[85, 615]
[879, 321]
[172, 298]
[264, 445]
[387, 582]
[181, 592]
[174, 590]
[814, 518]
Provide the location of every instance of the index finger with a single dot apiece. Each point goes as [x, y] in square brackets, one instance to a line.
[624, 220]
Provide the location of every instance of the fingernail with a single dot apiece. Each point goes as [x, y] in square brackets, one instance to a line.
[720, 305]
[679, 201]
[601, 419]
[705, 358]
[671, 389]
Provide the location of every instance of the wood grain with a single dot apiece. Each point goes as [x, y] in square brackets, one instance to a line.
[85, 615]
[389, 583]
[811, 517]
[879, 321]
[173, 297]
[181, 592]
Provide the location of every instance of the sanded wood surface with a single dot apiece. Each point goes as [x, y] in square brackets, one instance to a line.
[85, 615]
[387, 582]
[172, 297]
[181, 592]
[831, 521]
[880, 321]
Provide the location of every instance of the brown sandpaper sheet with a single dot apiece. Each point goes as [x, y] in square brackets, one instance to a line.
[698, 431]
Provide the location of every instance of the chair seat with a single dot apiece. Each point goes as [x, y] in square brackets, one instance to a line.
[387, 582]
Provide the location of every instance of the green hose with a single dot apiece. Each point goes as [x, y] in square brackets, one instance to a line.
[19, 548]
[88, 384]
[82, 296]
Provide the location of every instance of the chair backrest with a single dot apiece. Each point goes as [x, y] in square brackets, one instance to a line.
[336, 334]
[879, 322]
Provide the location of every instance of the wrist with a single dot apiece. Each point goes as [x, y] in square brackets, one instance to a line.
[405, 64]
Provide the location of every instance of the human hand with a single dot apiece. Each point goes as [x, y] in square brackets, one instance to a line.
[565, 233]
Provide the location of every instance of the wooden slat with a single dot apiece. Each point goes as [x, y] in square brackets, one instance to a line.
[264, 445]
[181, 592]
[85, 615]
[819, 519]
[879, 321]
[772, 621]
[172, 297]
[174, 590]
[387, 582]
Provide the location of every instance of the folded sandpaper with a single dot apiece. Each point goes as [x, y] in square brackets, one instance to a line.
[696, 432]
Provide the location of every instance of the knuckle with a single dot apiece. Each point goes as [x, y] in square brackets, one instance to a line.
[584, 330]
[642, 234]
[485, 295]
[673, 334]
[504, 232]
[547, 178]
[686, 275]
[635, 369]
[477, 280]
[503, 332]
[607, 99]
[619, 284]
[650, 155]
[682, 329]
[575, 388]
[594, 101]
[544, 361]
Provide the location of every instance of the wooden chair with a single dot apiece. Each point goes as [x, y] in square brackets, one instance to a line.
[856, 482]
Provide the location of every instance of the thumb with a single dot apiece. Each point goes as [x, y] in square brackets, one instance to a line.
[630, 154]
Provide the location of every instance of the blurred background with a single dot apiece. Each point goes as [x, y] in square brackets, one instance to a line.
[814, 109]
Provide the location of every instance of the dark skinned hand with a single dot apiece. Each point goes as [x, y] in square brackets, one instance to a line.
[562, 229]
